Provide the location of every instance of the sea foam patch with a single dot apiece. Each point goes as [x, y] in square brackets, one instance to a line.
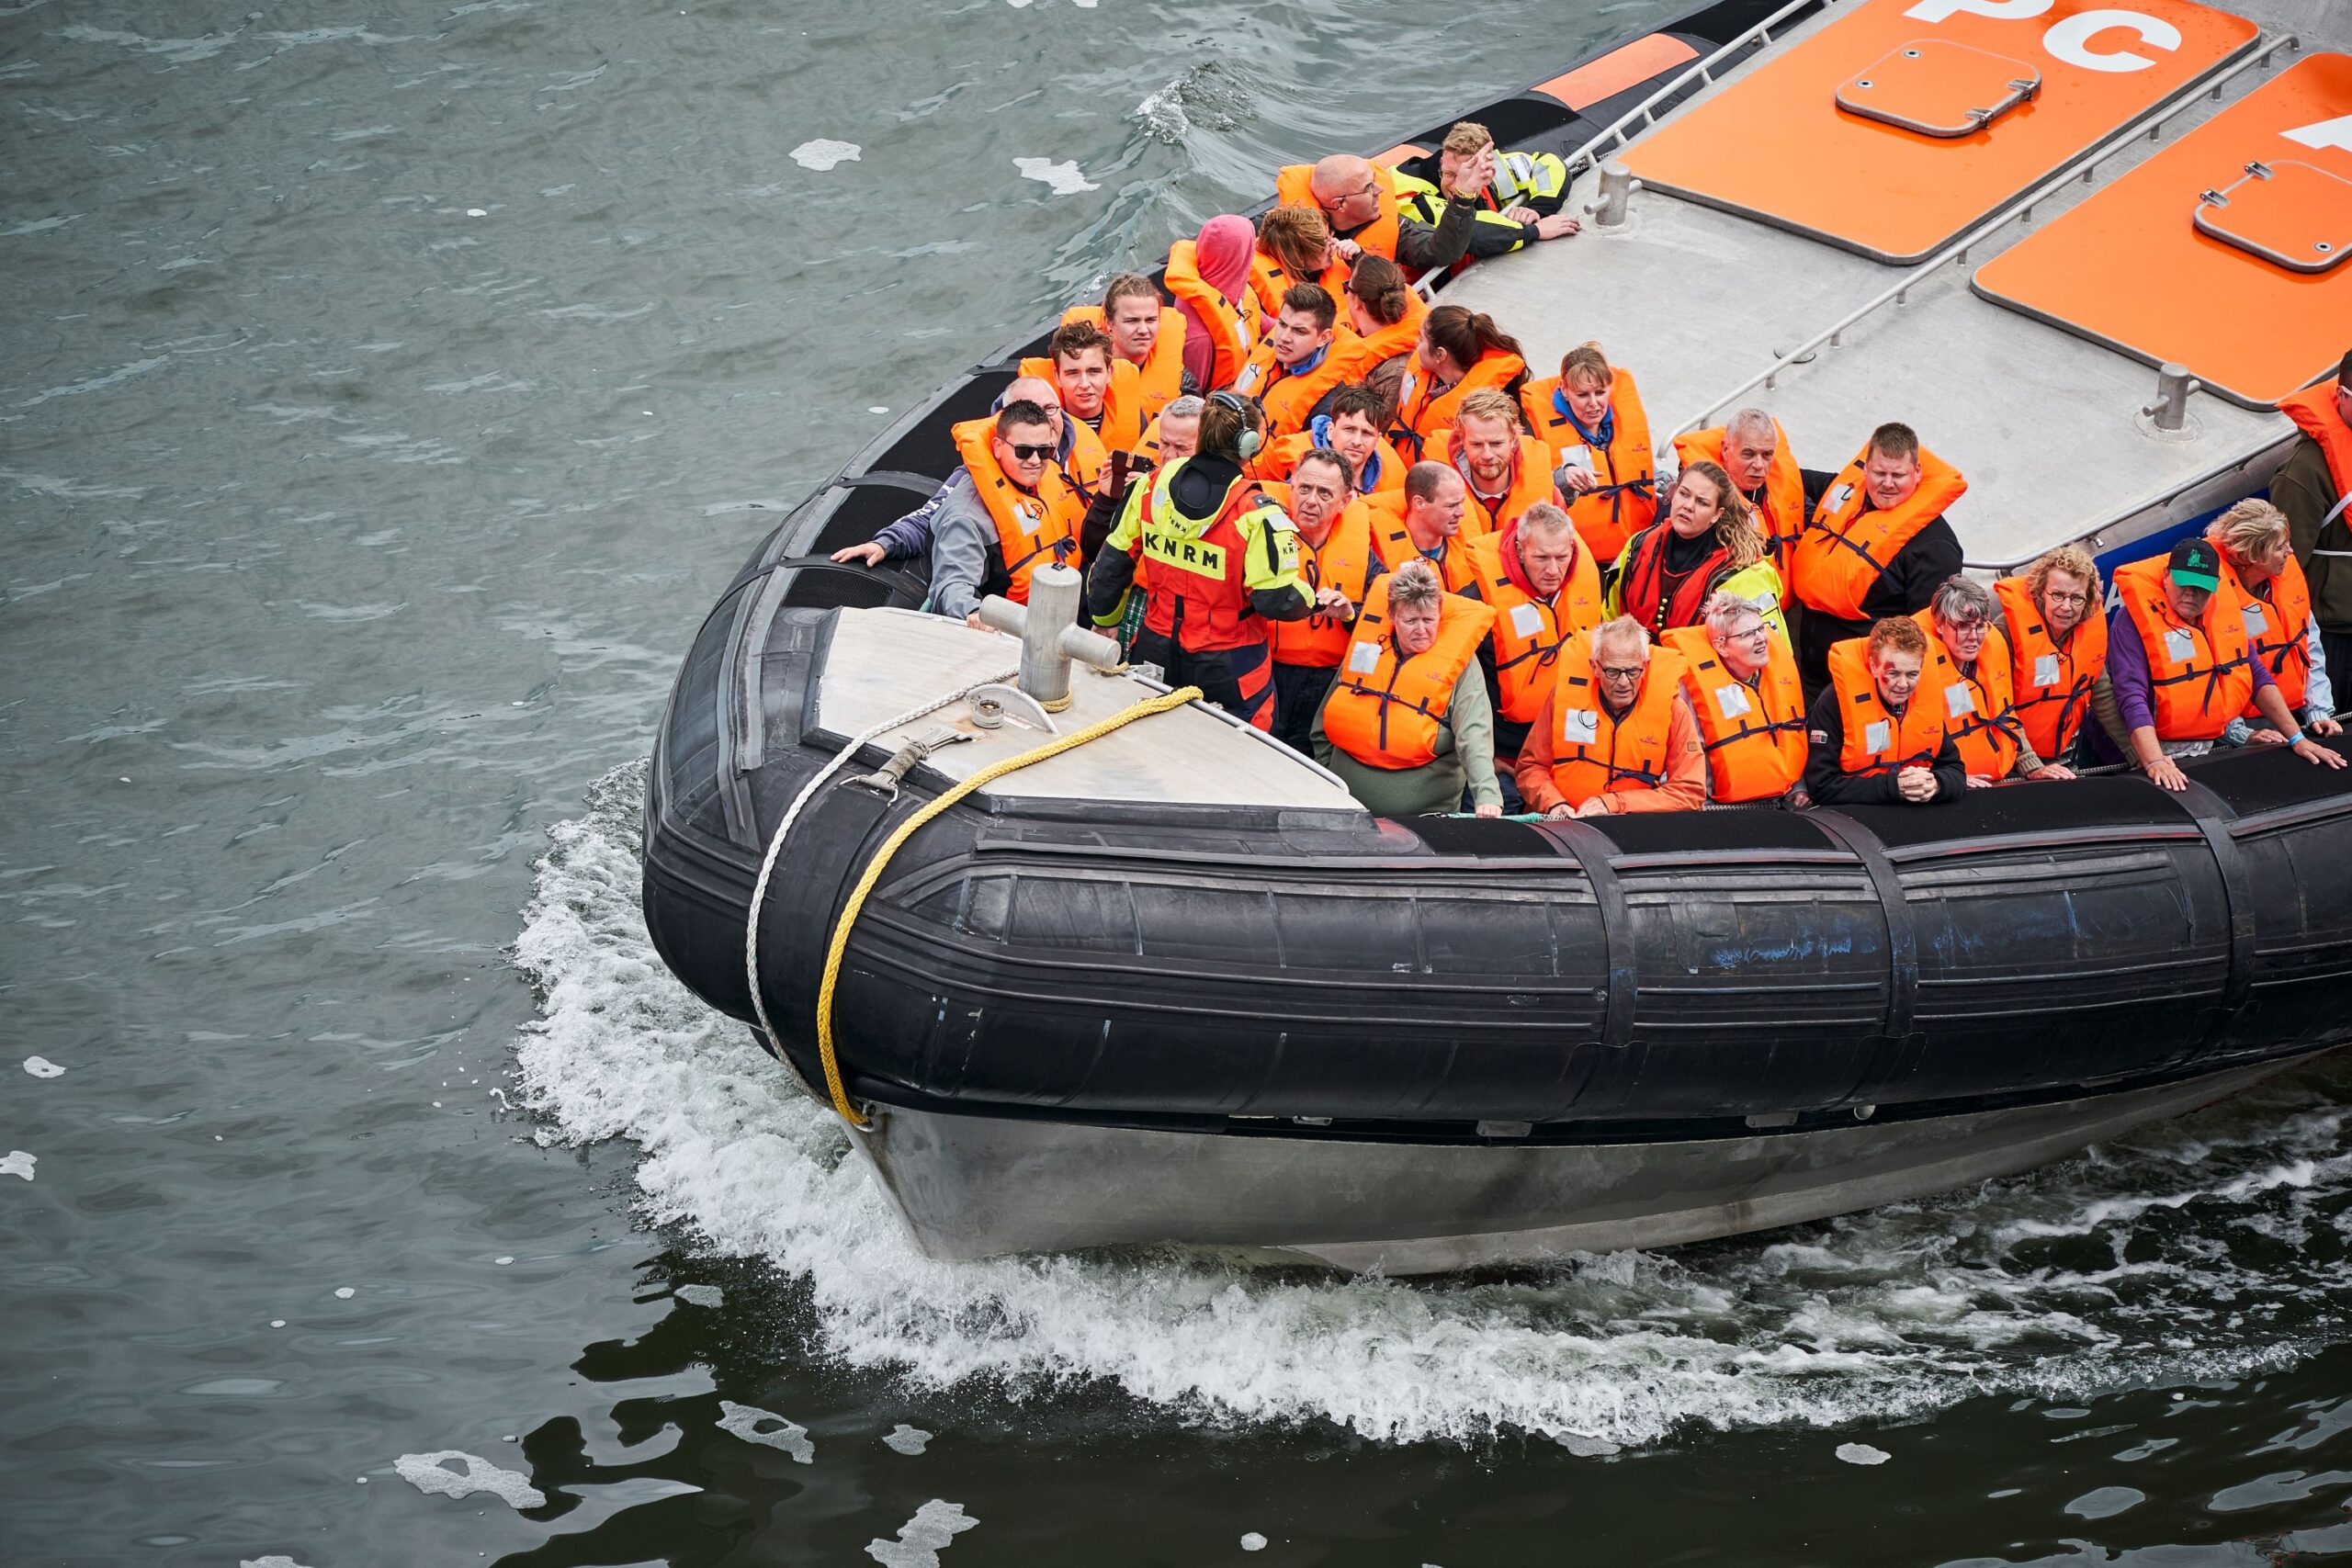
[1062, 179]
[2167, 1257]
[430, 1473]
[824, 152]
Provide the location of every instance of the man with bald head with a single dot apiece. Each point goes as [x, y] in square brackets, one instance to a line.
[1361, 200]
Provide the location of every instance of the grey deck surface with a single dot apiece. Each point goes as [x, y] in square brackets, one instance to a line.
[1693, 300]
[882, 662]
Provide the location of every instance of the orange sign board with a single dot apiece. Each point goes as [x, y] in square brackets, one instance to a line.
[2242, 294]
[1791, 142]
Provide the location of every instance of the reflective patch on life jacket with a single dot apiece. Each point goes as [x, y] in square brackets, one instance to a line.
[1580, 726]
[1185, 555]
[2045, 670]
[1877, 734]
[1526, 620]
[1958, 699]
[1362, 657]
[1733, 700]
[2179, 645]
[2256, 623]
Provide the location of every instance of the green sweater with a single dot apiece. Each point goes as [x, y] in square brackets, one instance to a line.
[1466, 750]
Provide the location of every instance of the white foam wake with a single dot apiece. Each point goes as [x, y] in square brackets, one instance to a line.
[2198, 1250]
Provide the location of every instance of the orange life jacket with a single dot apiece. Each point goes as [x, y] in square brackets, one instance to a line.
[1531, 482]
[1780, 510]
[1845, 550]
[2275, 624]
[1367, 352]
[1422, 412]
[1161, 377]
[1385, 711]
[1232, 324]
[1344, 561]
[1754, 736]
[1878, 739]
[1195, 589]
[1295, 187]
[1530, 632]
[1124, 418]
[1288, 395]
[2314, 412]
[1392, 542]
[1269, 281]
[2202, 672]
[1279, 456]
[1625, 500]
[1977, 708]
[1031, 529]
[2050, 682]
[1593, 754]
[1644, 591]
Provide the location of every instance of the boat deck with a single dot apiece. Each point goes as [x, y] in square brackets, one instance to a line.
[1699, 302]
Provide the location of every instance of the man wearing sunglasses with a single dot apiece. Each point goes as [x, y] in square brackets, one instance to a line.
[1362, 203]
[1016, 513]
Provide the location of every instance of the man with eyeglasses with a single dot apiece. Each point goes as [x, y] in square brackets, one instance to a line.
[2057, 640]
[1976, 694]
[1616, 735]
[1874, 737]
[1363, 205]
[1015, 513]
[1740, 677]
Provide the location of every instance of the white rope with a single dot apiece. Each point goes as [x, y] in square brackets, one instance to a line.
[776, 847]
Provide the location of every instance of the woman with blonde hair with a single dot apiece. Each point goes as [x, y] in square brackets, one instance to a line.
[1293, 246]
[1707, 542]
[1590, 415]
[2281, 630]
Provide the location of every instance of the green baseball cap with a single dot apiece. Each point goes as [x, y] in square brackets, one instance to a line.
[2196, 564]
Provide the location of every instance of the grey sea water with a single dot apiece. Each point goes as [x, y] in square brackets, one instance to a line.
[384, 395]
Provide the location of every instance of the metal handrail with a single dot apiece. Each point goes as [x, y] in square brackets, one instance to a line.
[1588, 155]
[1647, 110]
[1899, 292]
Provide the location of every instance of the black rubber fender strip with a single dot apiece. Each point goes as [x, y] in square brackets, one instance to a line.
[1902, 933]
[1591, 850]
[2214, 818]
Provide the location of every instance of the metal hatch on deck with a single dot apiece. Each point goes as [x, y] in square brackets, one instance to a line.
[1971, 103]
[2244, 291]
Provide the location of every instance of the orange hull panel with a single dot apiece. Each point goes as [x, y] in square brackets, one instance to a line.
[2129, 266]
[1776, 145]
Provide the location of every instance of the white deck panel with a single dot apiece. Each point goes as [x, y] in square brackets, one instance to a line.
[1694, 300]
[882, 662]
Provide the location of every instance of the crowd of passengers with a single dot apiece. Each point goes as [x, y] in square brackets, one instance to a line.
[1361, 522]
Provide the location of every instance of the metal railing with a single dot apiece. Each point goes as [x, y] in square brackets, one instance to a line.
[1899, 293]
[1618, 130]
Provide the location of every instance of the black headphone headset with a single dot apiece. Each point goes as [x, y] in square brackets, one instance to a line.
[1251, 440]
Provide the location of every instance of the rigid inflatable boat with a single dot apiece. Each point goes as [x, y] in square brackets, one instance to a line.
[1170, 983]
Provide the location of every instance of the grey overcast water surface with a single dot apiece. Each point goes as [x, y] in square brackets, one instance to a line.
[384, 395]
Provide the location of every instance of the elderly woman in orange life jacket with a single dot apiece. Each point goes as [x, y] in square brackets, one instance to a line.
[1407, 724]
[1707, 542]
[2276, 602]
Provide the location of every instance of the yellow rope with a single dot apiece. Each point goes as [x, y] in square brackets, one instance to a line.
[906, 829]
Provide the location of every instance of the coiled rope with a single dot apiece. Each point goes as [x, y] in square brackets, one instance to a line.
[906, 830]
